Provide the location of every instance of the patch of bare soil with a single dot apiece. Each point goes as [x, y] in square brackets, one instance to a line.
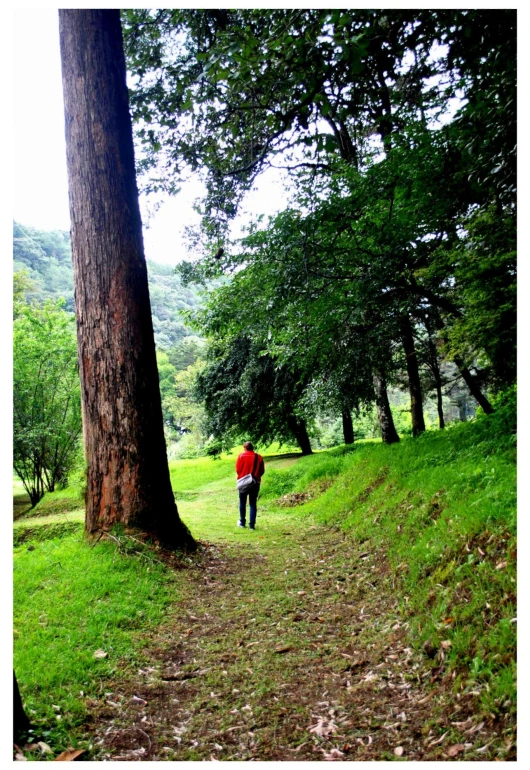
[298, 652]
[299, 498]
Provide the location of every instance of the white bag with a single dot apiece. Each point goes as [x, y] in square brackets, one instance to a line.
[246, 482]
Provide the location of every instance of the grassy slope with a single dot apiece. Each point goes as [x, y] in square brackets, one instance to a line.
[441, 507]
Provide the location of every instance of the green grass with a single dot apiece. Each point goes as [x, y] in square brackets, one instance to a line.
[70, 601]
[443, 508]
[440, 508]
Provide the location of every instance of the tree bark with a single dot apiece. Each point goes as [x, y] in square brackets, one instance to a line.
[347, 426]
[473, 386]
[439, 397]
[21, 723]
[435, 369]
[128, 477]
[416, 400]
[388, 429]
[298, 427]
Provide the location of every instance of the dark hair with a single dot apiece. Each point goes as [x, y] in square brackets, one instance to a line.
[249, 446]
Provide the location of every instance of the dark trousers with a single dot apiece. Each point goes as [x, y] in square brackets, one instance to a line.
[252, 495]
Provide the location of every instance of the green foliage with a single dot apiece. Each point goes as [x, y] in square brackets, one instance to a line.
[246, 393]
[484, 268]
[400, 212]
[46, 398]
[45, 257]
[169, 297]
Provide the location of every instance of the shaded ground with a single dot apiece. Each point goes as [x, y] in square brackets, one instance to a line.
[21, 505]
[293, 652]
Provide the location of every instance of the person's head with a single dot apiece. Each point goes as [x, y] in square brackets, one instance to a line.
[248, 446]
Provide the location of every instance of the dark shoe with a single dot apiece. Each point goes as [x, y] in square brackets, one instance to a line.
[251, 527]
[240, 525]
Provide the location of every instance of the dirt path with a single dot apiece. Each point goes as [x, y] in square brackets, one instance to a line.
[293, 651]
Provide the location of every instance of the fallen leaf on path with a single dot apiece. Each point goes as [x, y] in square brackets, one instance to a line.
[501, 565]
[333, 755]
[136, 699]
[428, 697]
[483, 748]
[446, 644]
[452, 751]
[435, 743]
[100, 654]
[44, 747]
[475, 729]
[20, 758]
[324, 727]
[69, 755]
[281, 650]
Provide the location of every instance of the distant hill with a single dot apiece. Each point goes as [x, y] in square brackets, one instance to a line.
[46, 258]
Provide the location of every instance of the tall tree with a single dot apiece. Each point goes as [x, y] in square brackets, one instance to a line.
[128, 476]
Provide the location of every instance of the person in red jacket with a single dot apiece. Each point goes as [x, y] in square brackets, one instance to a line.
[245, 464]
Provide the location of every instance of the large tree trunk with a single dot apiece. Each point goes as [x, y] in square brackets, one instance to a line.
[386, 421]
[416, 400]
[128, 476]
[299, 429]
[473, 386]
[347, 426]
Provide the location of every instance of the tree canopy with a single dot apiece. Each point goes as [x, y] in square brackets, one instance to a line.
[397, 128]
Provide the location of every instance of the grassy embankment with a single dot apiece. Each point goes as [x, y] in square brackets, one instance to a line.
[441, 508]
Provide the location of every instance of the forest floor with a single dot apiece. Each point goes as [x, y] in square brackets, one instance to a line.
[286, 644]
[289, 643]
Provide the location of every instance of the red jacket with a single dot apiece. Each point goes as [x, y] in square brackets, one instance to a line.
[245, 463]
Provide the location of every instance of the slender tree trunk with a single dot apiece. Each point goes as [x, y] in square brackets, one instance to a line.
[435, 368]
[128, 476]
[347, 426]
[388, 429]
[439, 399]
[473, 386]
[416, 400]
[299, 429]
[21, 723]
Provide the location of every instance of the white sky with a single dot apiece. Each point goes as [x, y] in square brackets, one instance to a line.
[41, 188]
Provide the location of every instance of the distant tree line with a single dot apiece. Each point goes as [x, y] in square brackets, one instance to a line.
[46, 258]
